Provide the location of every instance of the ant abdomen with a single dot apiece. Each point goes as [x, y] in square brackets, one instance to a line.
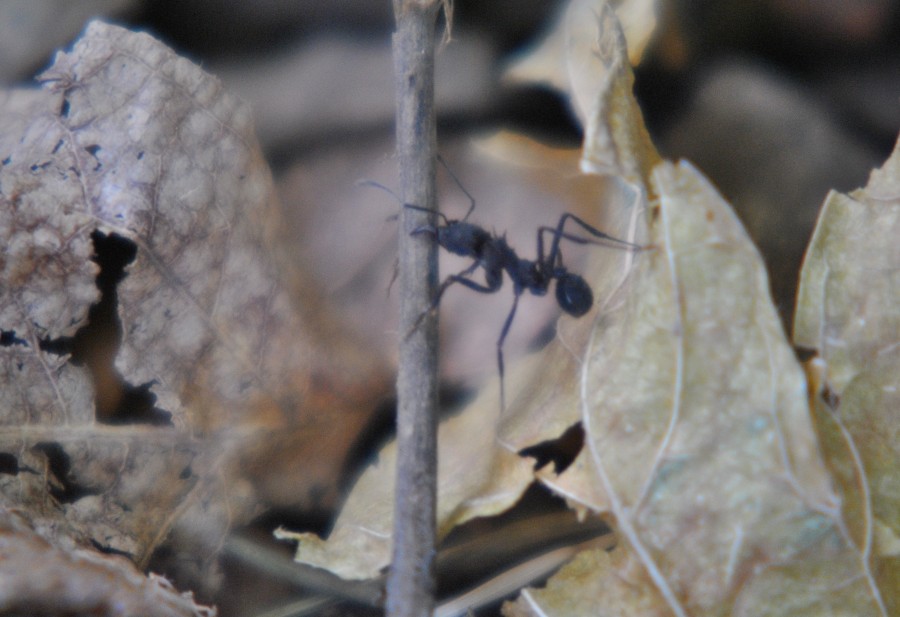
[573, 294]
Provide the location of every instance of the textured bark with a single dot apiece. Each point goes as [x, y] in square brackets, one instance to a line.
[411, 581]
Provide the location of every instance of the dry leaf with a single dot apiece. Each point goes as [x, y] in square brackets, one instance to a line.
[474, 479]
[847, 315]
[38, 578]
[544, 404]
[550, 62]
[699, 438]
[617, 147]
[849, 284]
[699, 442]
[135, 153]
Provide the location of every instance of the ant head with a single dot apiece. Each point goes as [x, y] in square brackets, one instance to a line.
[573, 294]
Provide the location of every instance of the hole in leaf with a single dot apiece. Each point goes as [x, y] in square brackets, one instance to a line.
[64, 489]
[8, 338]
[96, 345]
[561, 451]
[9, 464]
[831, 398]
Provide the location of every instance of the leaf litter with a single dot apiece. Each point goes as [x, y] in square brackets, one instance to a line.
[700, 445]
[256, 393]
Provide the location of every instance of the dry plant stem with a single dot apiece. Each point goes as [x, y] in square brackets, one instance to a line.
[410, 585]
[323, 585]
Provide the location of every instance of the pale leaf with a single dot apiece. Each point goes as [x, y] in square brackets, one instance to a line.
[846, 306]
[847, 315]
[698, 436]
[129, 141]
[697, 430]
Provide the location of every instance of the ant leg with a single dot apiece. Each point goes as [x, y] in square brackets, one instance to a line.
[459, 184]
[557, 235]
[555, 258]
[500, 341]
[459, 278]
[450, 280]
[591, 230]
[429, 210]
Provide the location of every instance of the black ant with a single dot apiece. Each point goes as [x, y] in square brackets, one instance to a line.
[494, 255]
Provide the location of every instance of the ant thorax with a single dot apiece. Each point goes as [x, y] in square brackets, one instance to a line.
[463, 239]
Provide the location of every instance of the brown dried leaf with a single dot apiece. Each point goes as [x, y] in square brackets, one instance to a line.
[617, 147]
[38, 578]
[249, 375]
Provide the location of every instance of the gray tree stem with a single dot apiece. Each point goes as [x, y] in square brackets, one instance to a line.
[410, 585]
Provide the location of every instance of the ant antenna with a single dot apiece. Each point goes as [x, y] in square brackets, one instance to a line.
[394, 217]
[491, 253]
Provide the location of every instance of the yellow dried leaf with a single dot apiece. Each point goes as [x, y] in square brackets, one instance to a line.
[475, 478]
[699, 442]
[849, 285]
[699, 439]
[847, 315]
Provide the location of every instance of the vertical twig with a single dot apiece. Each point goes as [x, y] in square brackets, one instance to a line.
[410, 585]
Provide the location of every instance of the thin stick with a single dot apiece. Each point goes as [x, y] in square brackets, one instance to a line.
[410, 584]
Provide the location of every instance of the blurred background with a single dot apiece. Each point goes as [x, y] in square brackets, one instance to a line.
[776, 101]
